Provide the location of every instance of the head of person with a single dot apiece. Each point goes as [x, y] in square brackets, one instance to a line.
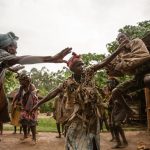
[75, 64]
[8, 42]
[122, 37]
[24, 79]
[112, 82]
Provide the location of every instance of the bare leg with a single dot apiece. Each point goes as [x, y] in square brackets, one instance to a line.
[106, 122]
[15, 129]
[118, 145]
[101, 124]
[112, 131]
[121, 131]
[20, 129]
[28, 130]
[33, 130]
[24, 132]
[1, 128]
[58, 129]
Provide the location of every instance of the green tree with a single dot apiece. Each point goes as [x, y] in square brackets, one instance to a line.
[139, 30]
[11, 83]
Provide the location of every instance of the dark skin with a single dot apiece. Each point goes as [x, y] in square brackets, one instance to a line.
[12, 49]
[77, 70]
[122, 38]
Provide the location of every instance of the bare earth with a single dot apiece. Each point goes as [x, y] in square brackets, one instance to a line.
[47, 141]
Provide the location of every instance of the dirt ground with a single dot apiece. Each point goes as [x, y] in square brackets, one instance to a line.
[47, 141]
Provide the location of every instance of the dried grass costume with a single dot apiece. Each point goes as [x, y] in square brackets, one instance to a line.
[83, 122]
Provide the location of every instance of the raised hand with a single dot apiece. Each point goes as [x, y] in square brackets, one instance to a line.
[58, 58]
[123, 44]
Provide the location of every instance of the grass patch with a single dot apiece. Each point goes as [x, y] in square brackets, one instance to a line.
[45, 124]
[48, 124]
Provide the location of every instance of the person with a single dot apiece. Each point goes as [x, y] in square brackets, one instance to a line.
[82, 104]
[118, 114]
[111, 84]
[134, 60]
[27, 98]
[8, 58]
[57, 112]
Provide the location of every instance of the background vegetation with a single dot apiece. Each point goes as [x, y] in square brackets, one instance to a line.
[45, 80]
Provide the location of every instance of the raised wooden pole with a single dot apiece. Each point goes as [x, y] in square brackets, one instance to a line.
[147, 98]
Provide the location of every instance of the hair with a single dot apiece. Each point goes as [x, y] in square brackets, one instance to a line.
[24, 77]
[8, 39]
[121, 33]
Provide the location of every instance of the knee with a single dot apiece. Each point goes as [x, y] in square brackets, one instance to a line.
[117, 125]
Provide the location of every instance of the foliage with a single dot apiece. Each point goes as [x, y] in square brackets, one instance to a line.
[140, 30]
[11, 82]
[46, 81]
[45, 124]
[136, 31]
[90, 58]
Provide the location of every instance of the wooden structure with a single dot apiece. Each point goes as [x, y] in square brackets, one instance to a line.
[147, 98]
[146, 40]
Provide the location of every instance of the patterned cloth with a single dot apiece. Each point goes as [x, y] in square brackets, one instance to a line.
[29, 99]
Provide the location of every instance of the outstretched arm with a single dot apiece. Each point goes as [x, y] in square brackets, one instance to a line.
[58, 58]
[109, 59]
[50, 96]
[16, 68]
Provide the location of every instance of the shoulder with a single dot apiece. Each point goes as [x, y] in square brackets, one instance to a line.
[33, 87]
[68, 81]
[56, 98]
[89, 71]
[4, 55]
[63, 85]
[136, 40]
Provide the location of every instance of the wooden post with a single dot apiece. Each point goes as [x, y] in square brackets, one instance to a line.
[147, 98]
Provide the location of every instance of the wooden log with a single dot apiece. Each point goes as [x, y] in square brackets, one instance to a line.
[147, 98]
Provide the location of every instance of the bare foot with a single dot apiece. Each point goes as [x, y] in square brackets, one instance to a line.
[34, 142]
[23, 138]
[59, 136]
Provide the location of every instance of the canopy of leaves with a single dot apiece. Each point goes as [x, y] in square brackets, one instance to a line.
[140, 30]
